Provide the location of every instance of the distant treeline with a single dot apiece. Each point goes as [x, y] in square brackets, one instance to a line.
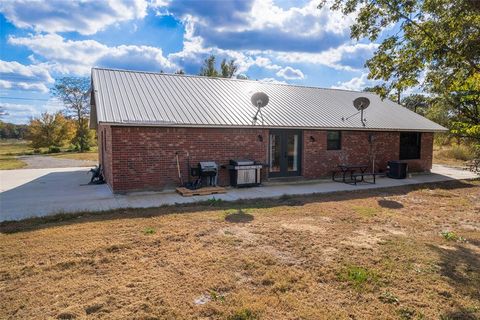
[12, 131]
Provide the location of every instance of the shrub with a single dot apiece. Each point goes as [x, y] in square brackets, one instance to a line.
[458, 152]
[54, 149]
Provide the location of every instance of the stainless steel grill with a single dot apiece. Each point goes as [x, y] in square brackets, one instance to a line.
[245, 173]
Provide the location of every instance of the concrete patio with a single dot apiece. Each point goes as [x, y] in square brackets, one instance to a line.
[40, 192]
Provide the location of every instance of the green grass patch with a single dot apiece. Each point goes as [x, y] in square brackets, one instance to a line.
[358, 277]
[243, 314]
[366, 211]
[452, 236]
[149, 231]
[10, 163]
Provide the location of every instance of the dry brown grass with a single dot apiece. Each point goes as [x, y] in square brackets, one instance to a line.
[362, 255]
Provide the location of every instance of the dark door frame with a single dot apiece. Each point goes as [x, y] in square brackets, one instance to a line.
[284, 133]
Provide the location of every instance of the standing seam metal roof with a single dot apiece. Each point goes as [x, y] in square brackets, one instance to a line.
[125, 97]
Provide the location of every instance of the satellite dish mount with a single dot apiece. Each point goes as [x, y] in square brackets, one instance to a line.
[360, 103]
[259, 100]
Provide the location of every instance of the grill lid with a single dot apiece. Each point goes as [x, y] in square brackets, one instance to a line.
[208, 165]
[242, 162]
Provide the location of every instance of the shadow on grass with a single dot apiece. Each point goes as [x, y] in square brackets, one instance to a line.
[239, 217]
[462, 269]
[288, 200]
[390, 204]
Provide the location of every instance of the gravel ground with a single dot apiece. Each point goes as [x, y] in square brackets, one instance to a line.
[42, 162]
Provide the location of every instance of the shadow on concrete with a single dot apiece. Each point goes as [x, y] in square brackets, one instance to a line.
[390, 204]
[46, 191]
[239, 217]
[462, 269]
[130, 213]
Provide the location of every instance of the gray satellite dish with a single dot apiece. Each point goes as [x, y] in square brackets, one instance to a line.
[259, 100]
[361, 103]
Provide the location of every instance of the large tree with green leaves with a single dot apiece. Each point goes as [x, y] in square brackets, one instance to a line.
[74, 93]
[50, 130]
[434, 40]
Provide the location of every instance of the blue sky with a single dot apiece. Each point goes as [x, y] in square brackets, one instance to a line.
[271, 40]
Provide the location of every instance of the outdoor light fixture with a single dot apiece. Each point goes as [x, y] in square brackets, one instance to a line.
[260, 138]
[312, 139]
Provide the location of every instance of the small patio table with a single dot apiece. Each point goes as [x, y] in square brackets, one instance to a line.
[350, 168]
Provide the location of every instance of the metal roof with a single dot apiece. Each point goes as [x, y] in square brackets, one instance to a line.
[137, 98]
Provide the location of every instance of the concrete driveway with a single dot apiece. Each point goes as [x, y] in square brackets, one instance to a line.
[39, 192]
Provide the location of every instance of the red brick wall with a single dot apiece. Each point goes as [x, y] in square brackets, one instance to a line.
[143, 158]
[319, 162]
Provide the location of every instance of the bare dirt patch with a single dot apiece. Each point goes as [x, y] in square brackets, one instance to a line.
[363, 255]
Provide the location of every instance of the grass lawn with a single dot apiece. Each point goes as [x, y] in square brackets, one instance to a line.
[91, 155]
[403, 253]
[10, 149]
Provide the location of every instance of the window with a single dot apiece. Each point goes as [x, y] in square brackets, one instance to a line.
[334, 139]
[410, 143]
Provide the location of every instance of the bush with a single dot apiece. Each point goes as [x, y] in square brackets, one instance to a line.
[54, 149]
[458, 152]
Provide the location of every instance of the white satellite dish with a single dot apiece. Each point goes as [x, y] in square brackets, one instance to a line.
[361, 103]
[259, 100]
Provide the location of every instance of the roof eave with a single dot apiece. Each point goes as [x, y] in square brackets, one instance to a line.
[172, 125]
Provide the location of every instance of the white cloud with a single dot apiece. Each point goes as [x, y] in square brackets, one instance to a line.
[356, 83]
[21, 112]
[348, 57]
[78, 57]
[272, 80]
[307, 20]
[85, 16]
[290, 73]
[16, 76]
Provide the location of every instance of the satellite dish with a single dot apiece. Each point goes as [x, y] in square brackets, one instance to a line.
[259, 100]
[361, 103]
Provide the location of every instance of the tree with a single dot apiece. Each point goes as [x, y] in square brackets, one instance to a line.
[74, 92]
[227, 68]
[418, 103]
[435, 40]
[180, 71]
[208, 68]
[12, 131]
[50, 131]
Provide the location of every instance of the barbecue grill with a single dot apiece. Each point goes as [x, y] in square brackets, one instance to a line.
[209, 171]
[245, 173]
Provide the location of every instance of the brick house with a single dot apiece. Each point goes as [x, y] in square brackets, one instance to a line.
[144, 120]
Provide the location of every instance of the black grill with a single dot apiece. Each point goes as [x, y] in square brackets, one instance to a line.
[209, 171]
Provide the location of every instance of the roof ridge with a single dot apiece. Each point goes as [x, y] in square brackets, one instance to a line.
[230, 79]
